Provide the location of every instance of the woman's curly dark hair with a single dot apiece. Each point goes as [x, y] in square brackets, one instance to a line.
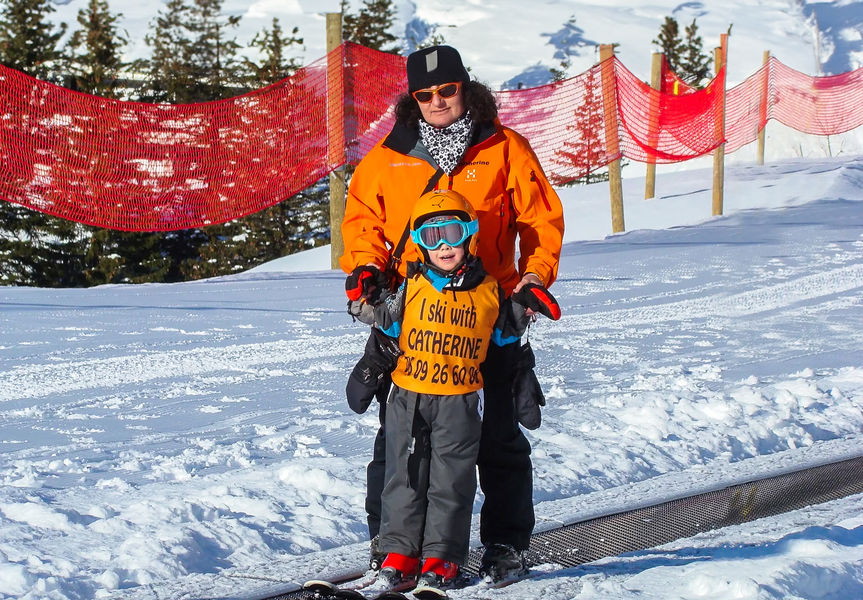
[478, 99]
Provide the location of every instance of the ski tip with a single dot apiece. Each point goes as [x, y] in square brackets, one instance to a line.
[391, 595]
[315, 585]
[428, 593]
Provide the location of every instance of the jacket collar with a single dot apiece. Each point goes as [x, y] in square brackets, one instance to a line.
[405, 138]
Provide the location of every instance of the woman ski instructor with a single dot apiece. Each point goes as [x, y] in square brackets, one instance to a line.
[448, 136]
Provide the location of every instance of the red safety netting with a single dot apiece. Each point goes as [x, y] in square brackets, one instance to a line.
[746, 110]
[373, 81]
[151, 167]
[657, 127]
[156, 167]
[816, 105]
[564, 123]
[670, 83]
[581, 124]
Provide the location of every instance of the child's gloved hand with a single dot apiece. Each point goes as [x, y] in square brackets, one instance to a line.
[538, 299]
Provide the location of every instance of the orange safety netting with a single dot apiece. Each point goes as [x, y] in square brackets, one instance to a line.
[157, 167]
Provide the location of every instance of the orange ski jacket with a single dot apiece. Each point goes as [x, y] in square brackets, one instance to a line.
[500, 176]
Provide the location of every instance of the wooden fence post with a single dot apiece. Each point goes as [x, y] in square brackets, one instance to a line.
[719, 58]
[336, 131]
[653, 125]
[612, 143]
[762, 109]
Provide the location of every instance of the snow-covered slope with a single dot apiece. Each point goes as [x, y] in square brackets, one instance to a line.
[158, 439]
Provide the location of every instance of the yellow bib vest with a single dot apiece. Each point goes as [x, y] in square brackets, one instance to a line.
[445, 337]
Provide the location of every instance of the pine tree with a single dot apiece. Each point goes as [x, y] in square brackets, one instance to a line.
[169, 76]
[419, 35]
[213, 54]
[193, 59]
[125, 257]
[586, 151]
[349, 21]
[273, 65]
[561, 72]
[95, 66]
[156, 257]
[95, 51]
[370, 27]
[694, 64]
[271, 233]
[296, 223]
[301, 221]
[28, 41]
[40, 250]
[434, 39]
[216, 73]
[685, 56]
[670, 43]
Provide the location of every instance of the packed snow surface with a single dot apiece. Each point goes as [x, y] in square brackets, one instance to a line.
[192, 440]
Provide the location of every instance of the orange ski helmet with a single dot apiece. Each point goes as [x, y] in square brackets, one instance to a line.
[441, 203]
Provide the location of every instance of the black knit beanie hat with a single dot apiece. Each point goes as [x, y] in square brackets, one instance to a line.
[433, 66]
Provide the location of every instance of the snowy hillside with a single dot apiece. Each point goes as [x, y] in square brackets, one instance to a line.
[192, 440]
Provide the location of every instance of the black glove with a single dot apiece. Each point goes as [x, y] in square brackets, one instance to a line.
[538, 299]
[371, 375]
[365, 282]
[526, 390]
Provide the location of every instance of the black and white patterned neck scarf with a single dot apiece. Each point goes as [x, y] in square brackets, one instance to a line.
[448, 144]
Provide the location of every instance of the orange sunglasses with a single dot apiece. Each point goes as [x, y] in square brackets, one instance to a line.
[447, 90]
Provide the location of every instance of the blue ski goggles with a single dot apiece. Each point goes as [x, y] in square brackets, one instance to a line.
[452, 232]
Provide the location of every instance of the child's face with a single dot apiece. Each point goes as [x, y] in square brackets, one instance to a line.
[446, 258]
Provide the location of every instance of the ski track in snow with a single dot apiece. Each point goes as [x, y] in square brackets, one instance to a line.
[248, 360]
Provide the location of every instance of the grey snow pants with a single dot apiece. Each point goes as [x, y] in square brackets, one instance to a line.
[432, 443]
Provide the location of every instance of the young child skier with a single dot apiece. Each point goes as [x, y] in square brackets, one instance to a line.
[444, 316]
